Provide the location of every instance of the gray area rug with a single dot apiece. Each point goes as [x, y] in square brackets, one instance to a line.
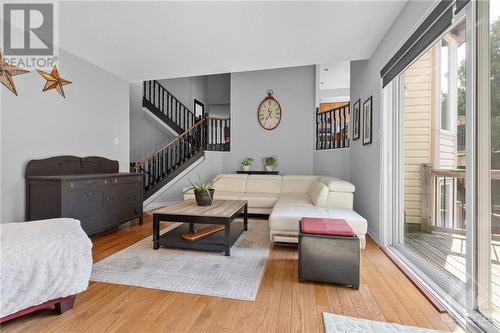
[194, 272]
[340, 324]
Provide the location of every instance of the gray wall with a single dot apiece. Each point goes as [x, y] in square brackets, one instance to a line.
[219, 95]
[39, 125]
[146, 134]
[365, 82]
[186, 89]
[293, 139]
[333, 162]
[219, 89]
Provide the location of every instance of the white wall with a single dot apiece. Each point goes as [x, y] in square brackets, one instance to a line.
[146, 134]
[293, 140]
[365, 82]
[39, 125]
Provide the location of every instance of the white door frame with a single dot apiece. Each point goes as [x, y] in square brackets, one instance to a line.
[484, 301]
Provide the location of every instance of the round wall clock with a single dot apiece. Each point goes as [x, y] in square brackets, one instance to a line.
[269, 112]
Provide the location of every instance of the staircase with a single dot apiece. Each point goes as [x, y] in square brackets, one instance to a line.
[195, 135]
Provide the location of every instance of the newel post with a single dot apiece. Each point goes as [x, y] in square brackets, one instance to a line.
[427, 197]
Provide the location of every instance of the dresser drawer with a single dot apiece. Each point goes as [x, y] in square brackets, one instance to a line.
[126, 180]
[123, 194]
[87, 184]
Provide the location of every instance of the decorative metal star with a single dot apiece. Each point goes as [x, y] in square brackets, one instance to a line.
[54, 81]
[7, 72]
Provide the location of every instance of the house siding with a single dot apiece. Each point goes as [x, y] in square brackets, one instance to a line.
[417, 132]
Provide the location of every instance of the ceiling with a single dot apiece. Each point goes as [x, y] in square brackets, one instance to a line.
[153, 40]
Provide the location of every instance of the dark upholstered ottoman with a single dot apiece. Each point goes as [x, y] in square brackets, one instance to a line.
[328, 252]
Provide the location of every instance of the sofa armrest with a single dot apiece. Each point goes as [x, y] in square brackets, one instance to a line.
[337, 185]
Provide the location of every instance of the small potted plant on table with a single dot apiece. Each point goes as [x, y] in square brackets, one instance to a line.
[270, 162]
[203, 192]
[247, 163]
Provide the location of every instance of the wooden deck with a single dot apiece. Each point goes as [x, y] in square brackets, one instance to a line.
[446, 252]
[282, 305]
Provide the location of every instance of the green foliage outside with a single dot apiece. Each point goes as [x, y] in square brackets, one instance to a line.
[495, 93]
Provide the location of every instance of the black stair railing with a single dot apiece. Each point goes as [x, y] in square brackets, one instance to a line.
[332, 128]
[167, 107]
[195, 135]
[170, 157]
[218, 134]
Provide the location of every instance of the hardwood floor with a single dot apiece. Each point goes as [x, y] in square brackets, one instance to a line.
[282, 305]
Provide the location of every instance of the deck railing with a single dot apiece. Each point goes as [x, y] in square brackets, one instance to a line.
[443, 198]
[332, 128]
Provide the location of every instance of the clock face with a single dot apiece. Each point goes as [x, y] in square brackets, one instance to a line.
[269, 113]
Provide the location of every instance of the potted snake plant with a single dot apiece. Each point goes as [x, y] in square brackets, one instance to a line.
[270, 162]
[203, 192]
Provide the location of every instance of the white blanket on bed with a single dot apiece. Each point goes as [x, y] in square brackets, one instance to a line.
[42, 260]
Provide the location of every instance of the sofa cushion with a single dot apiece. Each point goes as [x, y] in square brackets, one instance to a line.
[287, 217]
[260, 200]
[337, 185]
[294, 199]
[221, 195]
[296, 183]
[263, 184]
[318, 193]
[230, 183]
[227, 195]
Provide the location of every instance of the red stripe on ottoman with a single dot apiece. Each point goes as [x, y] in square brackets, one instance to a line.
[328, 227]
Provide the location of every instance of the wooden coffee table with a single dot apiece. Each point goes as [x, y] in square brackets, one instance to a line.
[221, 212]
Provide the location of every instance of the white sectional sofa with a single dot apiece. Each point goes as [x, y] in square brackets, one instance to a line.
[289, 198]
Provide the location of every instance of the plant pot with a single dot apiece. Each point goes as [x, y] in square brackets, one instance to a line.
[203, 198]
[246, 167]
[269, 168]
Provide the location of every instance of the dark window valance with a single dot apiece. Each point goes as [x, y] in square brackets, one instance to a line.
[440, 19]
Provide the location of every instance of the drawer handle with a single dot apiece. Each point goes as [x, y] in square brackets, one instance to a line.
[105, 182]
[107, 199]
[116, 181]
[89, 182]
[71, 185]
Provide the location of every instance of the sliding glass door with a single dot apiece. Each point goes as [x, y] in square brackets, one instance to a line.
[433, 122]
[443, 167]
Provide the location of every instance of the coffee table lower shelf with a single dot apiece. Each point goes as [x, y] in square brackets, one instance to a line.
[213, 242]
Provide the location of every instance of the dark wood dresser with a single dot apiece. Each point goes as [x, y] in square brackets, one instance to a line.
[88, 189]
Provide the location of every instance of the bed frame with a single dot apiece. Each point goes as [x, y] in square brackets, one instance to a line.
[61, 304]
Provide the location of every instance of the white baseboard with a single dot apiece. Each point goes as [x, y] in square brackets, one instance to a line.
[373, 235]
